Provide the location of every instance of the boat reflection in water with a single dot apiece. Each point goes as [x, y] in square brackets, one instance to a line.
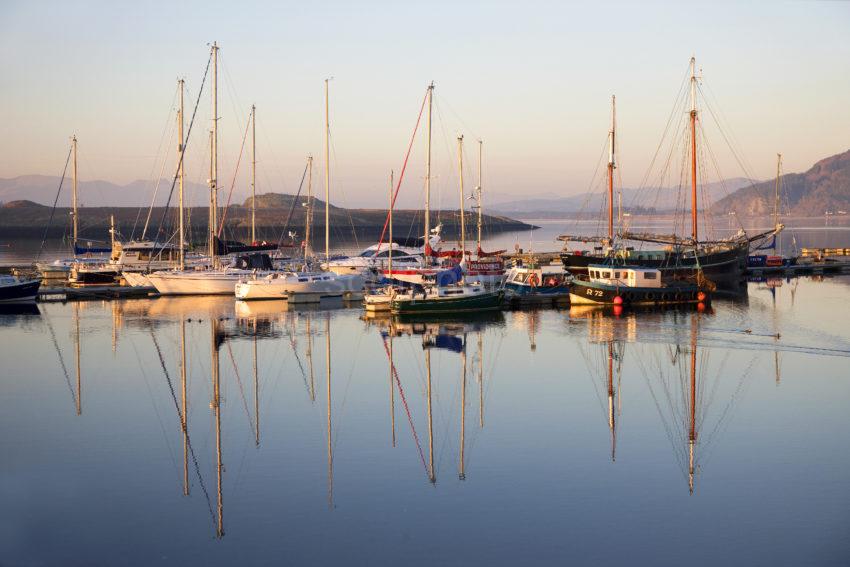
[451, 336]
[676, 369]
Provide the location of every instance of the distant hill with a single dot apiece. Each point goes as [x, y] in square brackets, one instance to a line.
[824, 187]
[42, 189]
[26, 219]
[592, 203]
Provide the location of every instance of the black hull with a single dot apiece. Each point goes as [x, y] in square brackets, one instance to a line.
[585, 293]
[727, 265]
[23, 292]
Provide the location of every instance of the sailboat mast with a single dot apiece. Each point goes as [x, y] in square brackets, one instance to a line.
[392, 387]
[480, 380]
[391, 229]
[462, 464]
[611, 423]
[431, 476]
[694, 232]
[253, 174]
[327, 179]
[478, 195]
[428, 180]
[256, 392]
[74, 193]
[77, 358]
[216, 406]
[181, 254]
[309, 213]
[330, 445]
[214, 156]
[462, 212]
[184, 419]
[692, 432]
[611, 167]
[776, 194]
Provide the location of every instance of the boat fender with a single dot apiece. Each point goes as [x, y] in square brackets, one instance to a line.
[618, 300]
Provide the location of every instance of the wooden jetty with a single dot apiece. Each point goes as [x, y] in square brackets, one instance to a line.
[65, 293]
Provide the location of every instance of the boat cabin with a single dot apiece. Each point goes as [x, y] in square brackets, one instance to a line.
[538, 276]
[626, 276]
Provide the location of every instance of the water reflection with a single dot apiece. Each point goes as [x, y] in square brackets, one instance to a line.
[402, 417]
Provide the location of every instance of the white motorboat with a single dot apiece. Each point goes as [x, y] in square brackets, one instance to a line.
[376, 258]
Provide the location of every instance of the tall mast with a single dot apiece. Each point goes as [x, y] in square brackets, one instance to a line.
[611, 422]
[428, 180]
[478, 195]
[214, 155]
[327, 179]
[211, 220]
[480, 380]
[181, 254]
[77, 358]
[611, 167]
[776, 194]
[183, 417]
[310, 359]
[253, 174]
[462, 465]
[74, 193]
[309, 213]
[256, 392]
[216, 407]
[692, 430]
[431, 476]
[391, 227]
[694, 232]
[330, 445]
[462, 211]
[392, 387]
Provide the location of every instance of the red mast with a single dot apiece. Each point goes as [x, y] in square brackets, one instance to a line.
[611, 172]
[693, 149]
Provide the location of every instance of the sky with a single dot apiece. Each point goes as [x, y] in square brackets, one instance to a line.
[533, 80]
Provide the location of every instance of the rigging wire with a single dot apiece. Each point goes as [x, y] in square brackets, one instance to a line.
[55, 200]
[183, 152]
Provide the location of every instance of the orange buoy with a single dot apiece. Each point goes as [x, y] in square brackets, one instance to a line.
[618, 300]
[700, 296]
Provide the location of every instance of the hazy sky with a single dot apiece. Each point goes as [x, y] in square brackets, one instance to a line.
[532, 79]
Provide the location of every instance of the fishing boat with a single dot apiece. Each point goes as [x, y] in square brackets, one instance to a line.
[449, 294]
[632, 285]
[533, 283]
[720, 259]
[14, 289]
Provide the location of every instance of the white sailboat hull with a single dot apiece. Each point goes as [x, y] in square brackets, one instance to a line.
[284, 286]
[197, 282]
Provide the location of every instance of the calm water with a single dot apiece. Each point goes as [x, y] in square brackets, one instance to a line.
[568, 441]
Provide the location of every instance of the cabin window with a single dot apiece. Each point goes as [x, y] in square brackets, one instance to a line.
[302, 279]
[616, 275]
[649, 276]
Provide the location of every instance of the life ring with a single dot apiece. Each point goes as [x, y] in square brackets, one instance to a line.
[664, 297]
[532, 280]
[650, 296]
